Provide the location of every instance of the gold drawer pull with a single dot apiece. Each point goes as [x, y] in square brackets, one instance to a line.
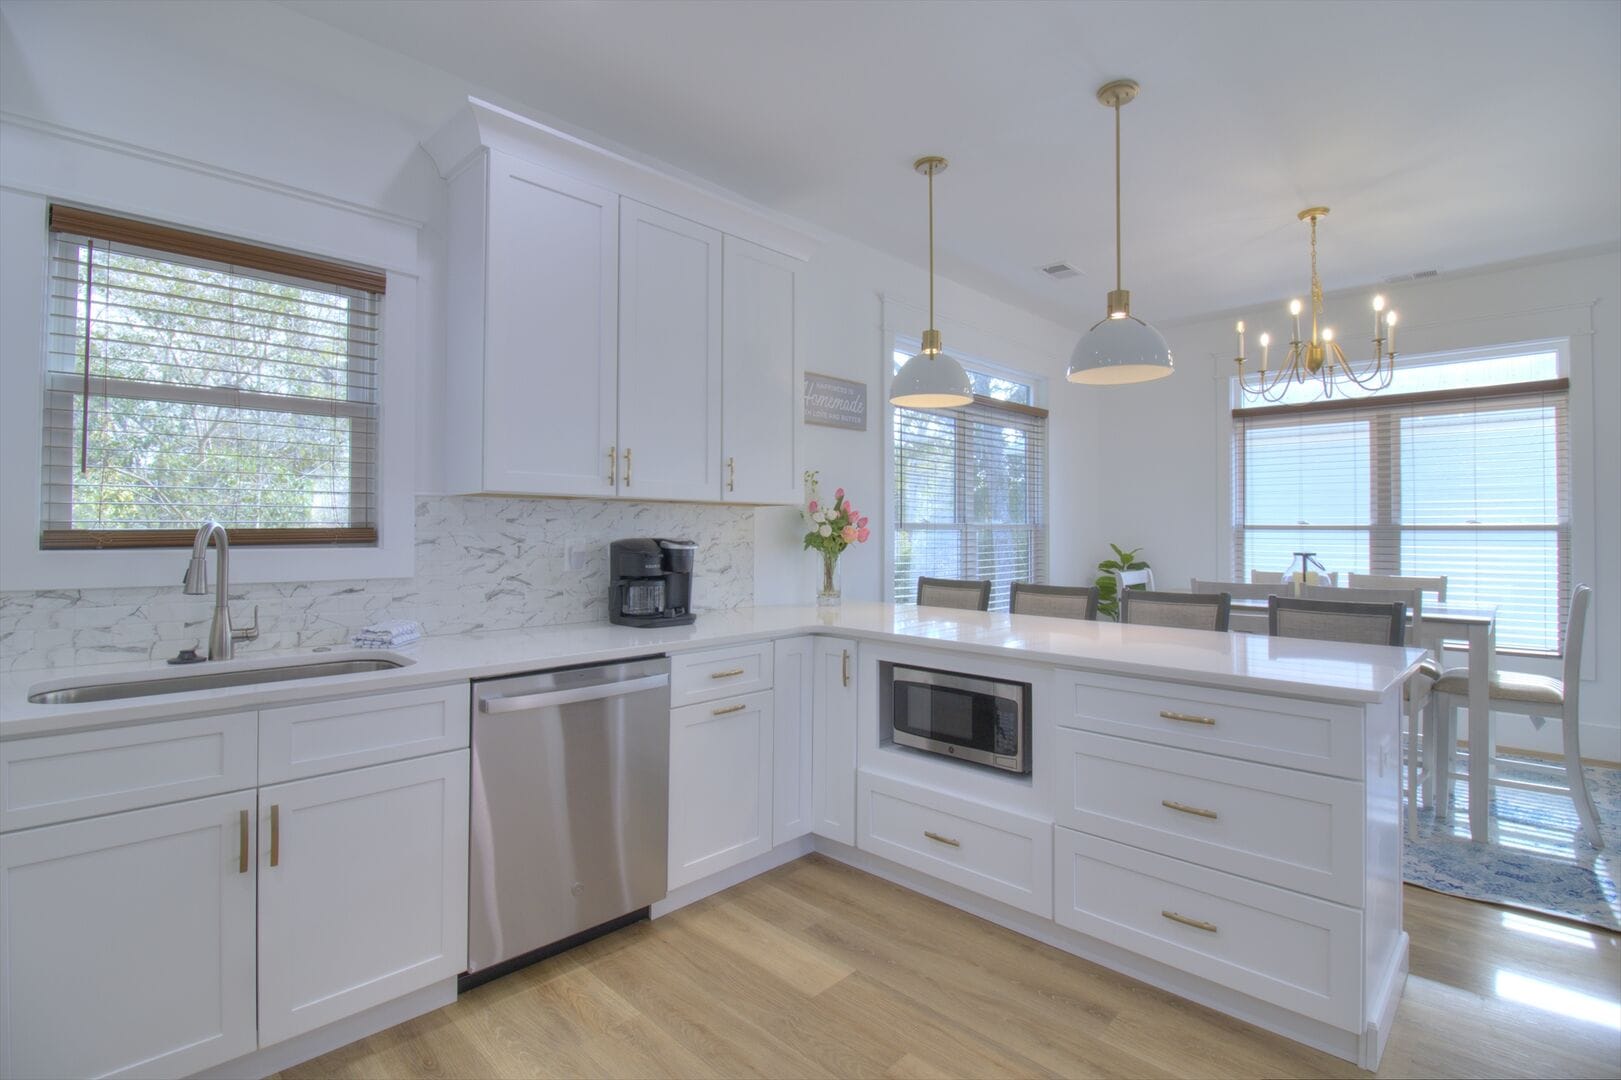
[730, 709]
[1197, 924]
[242, 839]
[948, 841]
[1187, 718]
[275, 834]
[728, 674]
[1184, 808]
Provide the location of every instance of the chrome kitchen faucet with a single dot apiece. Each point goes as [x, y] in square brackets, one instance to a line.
[221, 638]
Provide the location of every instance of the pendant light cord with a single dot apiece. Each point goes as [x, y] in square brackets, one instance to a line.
[931, 247]
[1117, 275]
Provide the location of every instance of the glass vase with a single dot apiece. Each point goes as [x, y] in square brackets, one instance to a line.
[1306, 570]
[828, 594]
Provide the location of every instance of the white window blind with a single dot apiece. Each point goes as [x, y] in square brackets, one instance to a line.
[1473, 484]
[189, 377]
[969, 490]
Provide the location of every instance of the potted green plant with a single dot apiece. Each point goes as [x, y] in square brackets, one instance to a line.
[1108, 585]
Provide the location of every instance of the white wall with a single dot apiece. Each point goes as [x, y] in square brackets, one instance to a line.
[261, 95]
[1172, 439]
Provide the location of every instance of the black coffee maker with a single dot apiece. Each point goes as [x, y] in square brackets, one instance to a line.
[650, 582]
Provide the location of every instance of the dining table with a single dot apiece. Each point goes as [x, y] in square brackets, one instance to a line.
[1475, 624]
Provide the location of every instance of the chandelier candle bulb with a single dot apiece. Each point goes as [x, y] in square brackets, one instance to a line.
[1390, 332]
[1241, 339]
[1378, 306]
[1294, 309]
[1266, 344]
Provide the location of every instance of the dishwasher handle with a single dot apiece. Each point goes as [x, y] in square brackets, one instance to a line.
[551, 698]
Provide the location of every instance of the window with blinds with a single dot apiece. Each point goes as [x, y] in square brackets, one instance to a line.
[191, 377]
[970, 490]
[1472, 483]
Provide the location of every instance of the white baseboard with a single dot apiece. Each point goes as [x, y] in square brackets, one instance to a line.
[1386, 999]
[284, 1055]
[695, 891]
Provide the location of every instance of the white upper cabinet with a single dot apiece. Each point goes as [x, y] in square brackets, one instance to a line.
[612, 331]
[669, 355]
[533, 318]
[760, 380]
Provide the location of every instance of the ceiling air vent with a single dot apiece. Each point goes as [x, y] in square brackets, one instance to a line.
[1417, 275]
[1058, 271]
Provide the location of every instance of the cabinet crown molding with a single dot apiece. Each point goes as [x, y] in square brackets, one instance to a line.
[482, 126]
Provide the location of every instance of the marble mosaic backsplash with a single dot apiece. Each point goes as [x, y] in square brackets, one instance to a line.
[481, 564]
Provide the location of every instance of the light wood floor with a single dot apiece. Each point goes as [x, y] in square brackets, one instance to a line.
[816, 969]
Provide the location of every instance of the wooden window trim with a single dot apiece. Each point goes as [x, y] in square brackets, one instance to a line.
[72, 219]
[102, 539]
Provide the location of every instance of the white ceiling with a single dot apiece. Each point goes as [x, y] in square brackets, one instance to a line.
[1444, 135]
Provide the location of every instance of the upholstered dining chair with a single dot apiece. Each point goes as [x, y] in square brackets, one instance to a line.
[1189, 611]
[1238, 590]
[951, 593]
[1271, 577]
[1337, 620]
[1542, 699]
[1059, 601]
[1423, 759]
[1436, 585]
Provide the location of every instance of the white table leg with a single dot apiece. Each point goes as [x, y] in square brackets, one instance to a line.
[1482, 643]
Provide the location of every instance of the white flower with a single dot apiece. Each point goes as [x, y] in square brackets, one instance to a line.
[819, 517]
[825, 530]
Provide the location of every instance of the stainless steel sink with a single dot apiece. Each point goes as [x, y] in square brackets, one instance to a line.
[209, 680]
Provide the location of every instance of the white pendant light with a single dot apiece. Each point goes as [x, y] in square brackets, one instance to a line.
[1121, 348]
[931, 379]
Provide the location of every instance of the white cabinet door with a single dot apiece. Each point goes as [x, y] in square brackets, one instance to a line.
[836, 704]
[720, 785]
[669, 356]
[760, 390]
[127, 942]
[552, 293]
[362, 889]
[791, 789]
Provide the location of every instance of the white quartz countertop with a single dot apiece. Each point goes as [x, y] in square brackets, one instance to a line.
[1316, 669]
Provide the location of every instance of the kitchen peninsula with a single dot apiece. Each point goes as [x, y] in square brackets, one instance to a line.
[1215, 814]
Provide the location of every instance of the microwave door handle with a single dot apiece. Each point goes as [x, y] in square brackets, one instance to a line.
[552, 698]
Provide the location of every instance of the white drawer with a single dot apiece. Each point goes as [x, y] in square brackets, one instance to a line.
[718, 673]
[994, 852]
[330, 736]
[1292, 732]
[1294, 951]
[1294, 829]
[83, 773]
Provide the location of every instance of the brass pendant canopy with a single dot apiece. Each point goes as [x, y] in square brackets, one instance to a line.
[1120, 348]
[931, 379]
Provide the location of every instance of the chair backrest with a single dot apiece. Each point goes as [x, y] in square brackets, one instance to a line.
[948, 592]
[1436, 585]
[1130, 579]
[1059, 601]
[1575, 626]
[1191, 611]
[1413, 598]
[1267, 577]
[1337, 620]
[1238, 590]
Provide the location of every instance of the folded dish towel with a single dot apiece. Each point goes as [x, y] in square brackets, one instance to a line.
[387, 634]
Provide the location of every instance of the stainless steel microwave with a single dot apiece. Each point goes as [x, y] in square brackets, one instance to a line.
[985, 721]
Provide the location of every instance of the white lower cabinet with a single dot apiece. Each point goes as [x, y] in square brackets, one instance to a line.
[793, 706]
[720, 785]
[836, 702]
[128, 942]
[362, 889]
[1295, 951]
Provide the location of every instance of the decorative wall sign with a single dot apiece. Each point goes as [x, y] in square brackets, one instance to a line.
[834, 402]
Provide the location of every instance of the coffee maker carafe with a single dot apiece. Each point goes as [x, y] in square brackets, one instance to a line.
[650, 582]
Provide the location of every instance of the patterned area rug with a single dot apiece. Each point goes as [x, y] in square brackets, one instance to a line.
[1538, 859]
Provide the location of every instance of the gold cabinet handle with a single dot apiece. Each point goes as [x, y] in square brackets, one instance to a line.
[729, 709]
[946, 840]
[729, 673]
[1197, 924]
[731, 474]
[242, 840]
[627, 466]
[1187, 718]
[1184, 808]
[613, 465]
[844, 667]
[275, 834]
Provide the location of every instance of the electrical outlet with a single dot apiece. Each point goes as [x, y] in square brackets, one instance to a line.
[574, 557]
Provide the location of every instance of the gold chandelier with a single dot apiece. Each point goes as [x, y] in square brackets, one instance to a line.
[1321, 357]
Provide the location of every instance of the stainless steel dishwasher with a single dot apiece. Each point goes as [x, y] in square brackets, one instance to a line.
[570, 807]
